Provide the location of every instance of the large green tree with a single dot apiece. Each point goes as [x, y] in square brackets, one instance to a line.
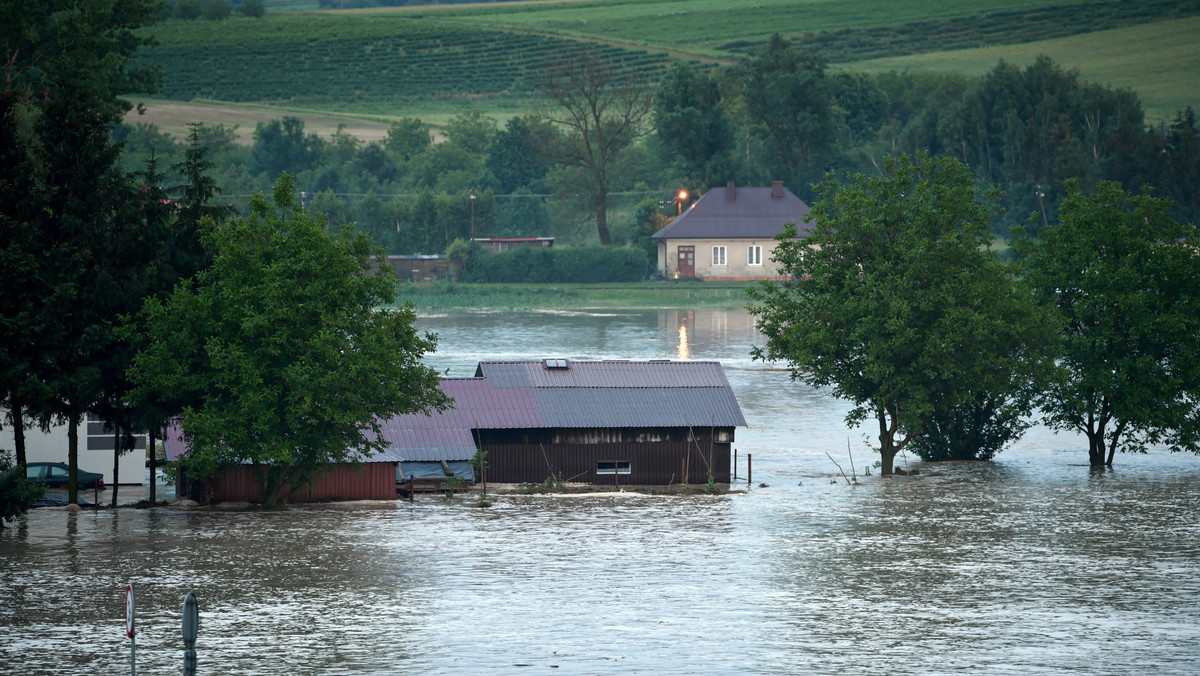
[290, 347]
[692, 128]
[66, 62]
[892, 299]
[790, 104]
[1126, 279]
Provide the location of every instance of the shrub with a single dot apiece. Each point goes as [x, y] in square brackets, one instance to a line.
[557, 265]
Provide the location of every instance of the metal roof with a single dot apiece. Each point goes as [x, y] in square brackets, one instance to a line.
[603, 374]
[530, 395]
[752, 214]
[638, 407]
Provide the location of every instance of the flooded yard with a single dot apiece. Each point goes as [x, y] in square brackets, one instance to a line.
[1030, 564]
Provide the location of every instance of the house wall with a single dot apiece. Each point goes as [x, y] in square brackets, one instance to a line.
[655, 457]
[736, 266]
[366, 481]
[95, 450]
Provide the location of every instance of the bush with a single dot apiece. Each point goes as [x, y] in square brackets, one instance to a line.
[557, 265]
[16, 493]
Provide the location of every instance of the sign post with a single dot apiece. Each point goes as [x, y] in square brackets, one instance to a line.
[191, 626]
[129, 629]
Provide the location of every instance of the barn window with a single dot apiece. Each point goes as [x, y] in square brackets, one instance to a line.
[613, 467]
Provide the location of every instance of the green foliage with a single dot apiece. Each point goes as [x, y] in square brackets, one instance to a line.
[895, 301]
[1126, 279]
[790, 104]
[560, 264]
[283, 348]
[254, 9]
[692, 128]
[17, 494]
[282, 145]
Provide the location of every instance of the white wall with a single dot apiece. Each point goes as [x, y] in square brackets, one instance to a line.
[736, 258]
[52, 447]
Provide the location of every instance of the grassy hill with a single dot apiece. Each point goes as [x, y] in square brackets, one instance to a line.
[437, 60]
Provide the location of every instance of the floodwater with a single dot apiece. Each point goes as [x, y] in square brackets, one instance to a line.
[1030, 564]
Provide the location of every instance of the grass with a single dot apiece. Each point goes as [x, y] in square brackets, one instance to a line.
[444, 296]
[1160, 61]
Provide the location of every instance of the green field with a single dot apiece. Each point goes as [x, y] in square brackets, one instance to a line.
[434, 61]
[443, 296]
[1160, 61]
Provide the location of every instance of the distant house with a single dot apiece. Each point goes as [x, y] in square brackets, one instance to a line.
[602, 422]
[730, 234]
[606, 422]
[419, 268]
[499, 244]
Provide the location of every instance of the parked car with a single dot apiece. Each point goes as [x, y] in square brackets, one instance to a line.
[56, 474]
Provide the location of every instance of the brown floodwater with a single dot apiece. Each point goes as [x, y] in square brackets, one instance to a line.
[1030, 564]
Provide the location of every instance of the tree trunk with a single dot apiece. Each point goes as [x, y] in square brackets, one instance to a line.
[887, 444]
[602, 218]
[18, 424]
[1096, 449]
[72, 456]
[116, 462]
[153, 467]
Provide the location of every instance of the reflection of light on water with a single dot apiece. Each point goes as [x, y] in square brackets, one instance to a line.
[683, 351]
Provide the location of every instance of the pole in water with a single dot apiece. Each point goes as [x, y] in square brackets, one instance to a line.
[191, 626]
[749, 467]
[735, 463]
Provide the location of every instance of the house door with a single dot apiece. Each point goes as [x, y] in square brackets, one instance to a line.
[687, 261]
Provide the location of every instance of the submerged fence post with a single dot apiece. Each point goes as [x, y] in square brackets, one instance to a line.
[190, 627]
[749, 467]
[735, 463]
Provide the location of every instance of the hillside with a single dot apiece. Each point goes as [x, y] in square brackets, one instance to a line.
[437, 60]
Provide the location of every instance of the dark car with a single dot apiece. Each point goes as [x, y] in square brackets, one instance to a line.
[55, 475]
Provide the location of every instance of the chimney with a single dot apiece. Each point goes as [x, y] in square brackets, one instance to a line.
[776, 190]
[730, 191]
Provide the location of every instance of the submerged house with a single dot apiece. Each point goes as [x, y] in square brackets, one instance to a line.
[599, 422]
[730, 234]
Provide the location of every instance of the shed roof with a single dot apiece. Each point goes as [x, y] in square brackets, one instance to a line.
[752, 213]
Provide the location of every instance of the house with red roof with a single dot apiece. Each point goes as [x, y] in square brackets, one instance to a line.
[729, 234]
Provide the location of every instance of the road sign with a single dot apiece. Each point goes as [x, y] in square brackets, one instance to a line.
[129, 611]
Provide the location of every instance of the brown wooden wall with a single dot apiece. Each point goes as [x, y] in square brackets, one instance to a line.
[650, 463]
[367, 481]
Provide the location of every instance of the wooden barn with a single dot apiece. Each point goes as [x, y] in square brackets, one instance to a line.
[607, 422]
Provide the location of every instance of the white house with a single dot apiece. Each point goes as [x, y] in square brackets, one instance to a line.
[730, 234]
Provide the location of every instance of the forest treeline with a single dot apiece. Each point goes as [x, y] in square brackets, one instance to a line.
[778, 114]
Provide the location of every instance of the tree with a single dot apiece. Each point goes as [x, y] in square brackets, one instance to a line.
[66, 62]
[891, 301]
[281, 145]
[692, 128]
[513, 157]
[407, 138]
[600, 116]
[17, 495]
[790, 102]
[288, 347]
[1126, 279]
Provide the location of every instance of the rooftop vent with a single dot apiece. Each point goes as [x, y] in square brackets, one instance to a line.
[557, 364]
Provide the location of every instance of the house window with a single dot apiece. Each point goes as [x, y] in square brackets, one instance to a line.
[754, 256]
[719, 256]
[613, 467]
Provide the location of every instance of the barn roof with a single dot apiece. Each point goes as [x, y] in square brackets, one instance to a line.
[555, 394]
[730, 212]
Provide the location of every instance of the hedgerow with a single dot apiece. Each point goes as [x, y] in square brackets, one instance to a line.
[557, 265]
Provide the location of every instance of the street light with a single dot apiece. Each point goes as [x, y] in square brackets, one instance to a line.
[680, 198]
